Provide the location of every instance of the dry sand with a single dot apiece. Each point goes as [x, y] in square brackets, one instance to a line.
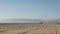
[30, 29]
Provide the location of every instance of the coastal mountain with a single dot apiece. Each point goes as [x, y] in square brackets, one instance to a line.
[29, 21]
[22, 21]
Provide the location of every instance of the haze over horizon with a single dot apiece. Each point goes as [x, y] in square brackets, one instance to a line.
[29, 9]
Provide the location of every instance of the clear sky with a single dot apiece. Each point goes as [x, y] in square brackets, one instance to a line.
[30, 9]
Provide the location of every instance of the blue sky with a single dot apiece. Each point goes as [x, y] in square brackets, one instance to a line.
[30, 9]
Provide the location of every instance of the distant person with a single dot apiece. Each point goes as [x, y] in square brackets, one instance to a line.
[41, 22]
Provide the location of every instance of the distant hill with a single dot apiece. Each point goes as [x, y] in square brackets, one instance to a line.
[22, 21]
[29, 21]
